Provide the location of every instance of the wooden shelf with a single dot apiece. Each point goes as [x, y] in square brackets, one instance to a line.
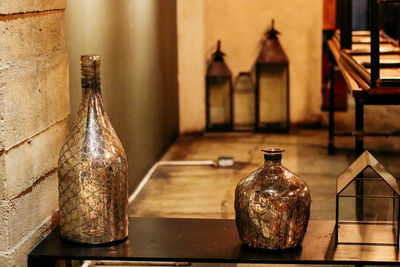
[357, 76]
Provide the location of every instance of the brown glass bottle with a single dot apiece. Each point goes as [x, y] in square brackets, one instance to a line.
[272, 205]
[93, 170]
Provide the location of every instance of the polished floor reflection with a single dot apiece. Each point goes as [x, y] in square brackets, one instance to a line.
[208, 191]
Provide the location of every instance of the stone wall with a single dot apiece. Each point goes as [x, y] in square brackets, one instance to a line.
[34, 105]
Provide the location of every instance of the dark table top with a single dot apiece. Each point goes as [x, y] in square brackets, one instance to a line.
[213, 240]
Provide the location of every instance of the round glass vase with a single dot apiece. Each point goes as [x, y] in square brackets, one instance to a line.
[272, 205]
[93, 169]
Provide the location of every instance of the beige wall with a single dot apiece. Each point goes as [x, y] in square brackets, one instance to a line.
[240, 25]
[136, 40]
[34, 105]
[191, 65]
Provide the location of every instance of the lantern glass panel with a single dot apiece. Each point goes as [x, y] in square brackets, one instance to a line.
[219, 90]
[273, 98]
[244, 103]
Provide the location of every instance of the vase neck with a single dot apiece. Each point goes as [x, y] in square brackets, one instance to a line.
[273, 156]
[90, 70]
[269, 161]
[272, 163]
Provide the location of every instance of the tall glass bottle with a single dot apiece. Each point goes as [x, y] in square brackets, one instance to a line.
[272, 205]
[92, 170]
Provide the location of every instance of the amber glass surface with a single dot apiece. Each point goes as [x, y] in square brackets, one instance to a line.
[93, 170]
[272, 205]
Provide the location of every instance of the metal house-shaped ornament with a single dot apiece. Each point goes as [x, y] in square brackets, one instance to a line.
[272, 86]
[219, 112]
[367, 204]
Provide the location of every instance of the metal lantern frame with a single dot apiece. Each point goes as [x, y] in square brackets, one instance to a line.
[354, 173]
[273, 54]
[218, 69]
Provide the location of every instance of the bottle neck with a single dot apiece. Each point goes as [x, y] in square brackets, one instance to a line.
[274, 159]
[91, 79]
[92, 100]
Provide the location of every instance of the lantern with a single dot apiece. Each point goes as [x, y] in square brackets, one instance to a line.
[272, 86]
[219, 93]
[243, 102]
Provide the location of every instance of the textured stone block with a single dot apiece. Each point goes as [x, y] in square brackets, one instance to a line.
[29, 211]
[4, 223]
[34, 158]
[34, 94]
[27, 214]
[2, 178]
[34, 104]
[17, 256]
[20, 6]
[19, 253]
[31, 36]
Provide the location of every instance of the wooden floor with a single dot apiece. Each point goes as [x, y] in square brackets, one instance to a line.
[208, 192]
